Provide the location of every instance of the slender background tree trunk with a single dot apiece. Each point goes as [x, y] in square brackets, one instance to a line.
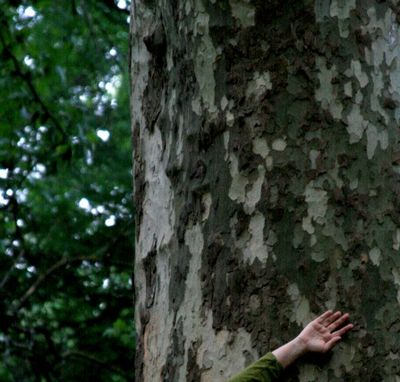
[267, 181]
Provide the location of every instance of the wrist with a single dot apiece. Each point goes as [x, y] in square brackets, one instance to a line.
[300, 344]
[289, 352]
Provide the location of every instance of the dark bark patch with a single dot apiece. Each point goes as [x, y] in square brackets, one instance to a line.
[157, 47]
[170, 371]
[150, 269]
[179, 265]
[193, 373]
[139, 180]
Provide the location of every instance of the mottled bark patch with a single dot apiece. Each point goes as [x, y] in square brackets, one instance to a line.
[280, 147]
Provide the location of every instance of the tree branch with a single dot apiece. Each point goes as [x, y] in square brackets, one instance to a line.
[92, 359]
[63, 262]
[11, 270]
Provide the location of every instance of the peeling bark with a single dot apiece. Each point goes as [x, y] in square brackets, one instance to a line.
[267, 183]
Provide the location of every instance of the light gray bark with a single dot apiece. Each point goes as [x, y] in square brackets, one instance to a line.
[267, 183]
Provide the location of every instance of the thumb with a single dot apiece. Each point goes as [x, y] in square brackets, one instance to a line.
[331, 343]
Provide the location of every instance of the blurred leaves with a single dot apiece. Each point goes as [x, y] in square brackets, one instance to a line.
[66, 238]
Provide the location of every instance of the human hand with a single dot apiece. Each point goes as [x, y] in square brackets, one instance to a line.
[321, 334]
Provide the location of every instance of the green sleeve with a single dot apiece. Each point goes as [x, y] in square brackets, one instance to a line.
[266, 369]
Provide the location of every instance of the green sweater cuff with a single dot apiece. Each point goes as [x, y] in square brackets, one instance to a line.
[266, 369]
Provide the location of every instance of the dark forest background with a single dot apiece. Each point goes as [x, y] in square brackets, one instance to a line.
[66, 212]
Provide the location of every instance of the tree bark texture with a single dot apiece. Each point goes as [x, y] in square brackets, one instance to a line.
[267, 183]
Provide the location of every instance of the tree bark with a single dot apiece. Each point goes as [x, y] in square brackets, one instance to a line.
[267, 183]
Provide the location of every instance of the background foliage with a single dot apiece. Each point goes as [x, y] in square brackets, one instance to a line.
[66, 238]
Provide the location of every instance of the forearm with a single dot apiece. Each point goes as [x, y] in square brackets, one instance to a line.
[288, 353]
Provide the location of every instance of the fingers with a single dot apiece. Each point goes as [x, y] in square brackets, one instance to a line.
[324, 316]
[332, 318]
[330, 321]
[343, 330]
[337, 336]
[338, 322]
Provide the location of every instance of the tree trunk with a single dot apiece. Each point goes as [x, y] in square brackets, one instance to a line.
[267, 183]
